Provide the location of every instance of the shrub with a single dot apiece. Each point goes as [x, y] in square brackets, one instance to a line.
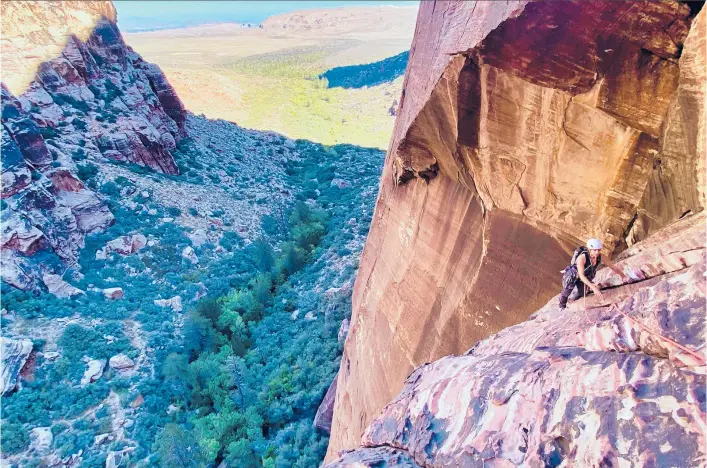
[111, 189]
[230, 240]
[48, 133]
[112, 91]
[86, 172]
[14, 438]
[176, 446]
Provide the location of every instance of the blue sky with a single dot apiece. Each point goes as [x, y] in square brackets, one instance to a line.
[146, 15]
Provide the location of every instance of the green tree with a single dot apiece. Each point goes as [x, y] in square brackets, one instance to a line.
[263, 255]
[177, 447]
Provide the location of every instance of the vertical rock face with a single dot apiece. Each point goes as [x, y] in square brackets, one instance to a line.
[618, 381]
[523, 129]
[73, 94]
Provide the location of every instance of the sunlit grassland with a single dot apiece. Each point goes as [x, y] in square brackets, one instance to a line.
[281, 91]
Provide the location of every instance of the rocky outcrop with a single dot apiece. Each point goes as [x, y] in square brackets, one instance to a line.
[174, 303]
[124, 245]
[617, 381]
[523, 129]
[73, 94]
[14, 356]
[94, 370]
[325, 412]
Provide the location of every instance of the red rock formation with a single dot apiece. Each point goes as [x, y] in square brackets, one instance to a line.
[325, 412]
[612, 382]
[523, 129]
[72, 91]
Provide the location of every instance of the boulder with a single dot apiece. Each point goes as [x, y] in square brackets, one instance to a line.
[340, 183]
[59, 287]
[41, 439]
[14, 356]
[175, 303]
[124, 245]
[198, 237]
[113, 293]
[51, 355]
[20, 235]
[119, 459]
[201, 292]
[94, 371]
[189, 254]
[121, 362]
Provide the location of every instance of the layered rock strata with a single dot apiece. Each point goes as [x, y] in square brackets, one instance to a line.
[73, 93]
[523, 129]
[616, 381]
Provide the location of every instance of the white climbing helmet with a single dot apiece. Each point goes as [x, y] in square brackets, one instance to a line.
[594, 244]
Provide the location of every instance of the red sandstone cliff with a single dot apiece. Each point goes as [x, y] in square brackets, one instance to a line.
[621, 383]
[524, 128]
[73, 93]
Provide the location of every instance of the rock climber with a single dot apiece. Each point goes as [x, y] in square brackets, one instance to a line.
[577, 278]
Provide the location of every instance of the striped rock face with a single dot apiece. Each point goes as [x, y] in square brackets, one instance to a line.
[617, 381]
[524, 129]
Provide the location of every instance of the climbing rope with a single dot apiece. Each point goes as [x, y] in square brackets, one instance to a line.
[650, 331]
[613, 307]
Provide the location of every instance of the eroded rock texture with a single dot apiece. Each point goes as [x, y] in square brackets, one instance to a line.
[523, 129]
[13, 356]
[73, 94]
[618, 381]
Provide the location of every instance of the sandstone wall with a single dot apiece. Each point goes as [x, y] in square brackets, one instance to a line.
[73, 95]
[612, 382]
[524, 128]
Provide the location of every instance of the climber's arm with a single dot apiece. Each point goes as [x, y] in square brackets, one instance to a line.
[616, 270]
[581, 263]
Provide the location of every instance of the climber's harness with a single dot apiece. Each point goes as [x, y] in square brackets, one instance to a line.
[571, 275]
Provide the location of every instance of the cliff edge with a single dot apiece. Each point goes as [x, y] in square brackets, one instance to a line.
[524, 128]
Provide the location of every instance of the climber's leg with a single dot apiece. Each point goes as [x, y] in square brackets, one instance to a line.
[569, 290]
